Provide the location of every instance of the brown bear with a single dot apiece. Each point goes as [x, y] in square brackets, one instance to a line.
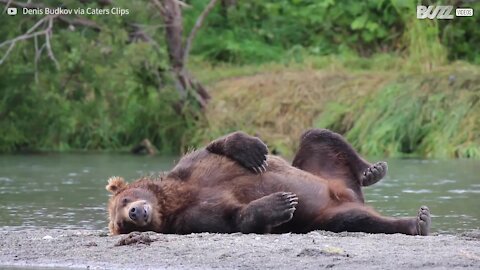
[232, 185]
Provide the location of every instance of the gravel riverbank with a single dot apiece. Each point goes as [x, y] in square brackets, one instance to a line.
[96, 250]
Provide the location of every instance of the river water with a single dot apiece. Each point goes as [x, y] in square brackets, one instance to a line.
[68, 190]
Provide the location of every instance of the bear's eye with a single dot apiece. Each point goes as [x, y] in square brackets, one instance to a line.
[125, 201]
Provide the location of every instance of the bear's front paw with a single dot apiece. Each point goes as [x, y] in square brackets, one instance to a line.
[248, 151]
[283, 206]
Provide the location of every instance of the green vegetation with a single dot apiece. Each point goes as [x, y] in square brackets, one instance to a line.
[429, 115]
[394, 85]
[381, 111]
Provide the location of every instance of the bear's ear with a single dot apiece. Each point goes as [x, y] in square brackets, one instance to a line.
[115, 183]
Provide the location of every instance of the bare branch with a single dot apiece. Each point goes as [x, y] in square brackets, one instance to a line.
[35, 26]
[159, 6]
[38, 53]
[34, 31]
[46, 32]
[79, 22]
[7, 53]
[28, 34]
[182, 4]
[6, 5]
[25, 36]
[48, 35]
[193, 32]
[35, 42]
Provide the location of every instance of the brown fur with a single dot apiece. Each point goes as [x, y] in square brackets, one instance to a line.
[214, 192]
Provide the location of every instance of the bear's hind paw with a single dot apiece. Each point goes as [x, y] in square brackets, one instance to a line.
[374, 173]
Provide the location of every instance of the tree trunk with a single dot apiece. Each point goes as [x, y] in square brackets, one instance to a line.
[172, 17]
[185, 82]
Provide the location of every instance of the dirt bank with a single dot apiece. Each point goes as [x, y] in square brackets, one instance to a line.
[96, 250]
[363, 106]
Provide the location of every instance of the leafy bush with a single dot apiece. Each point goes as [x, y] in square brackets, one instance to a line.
[107, 93]
[258, 31]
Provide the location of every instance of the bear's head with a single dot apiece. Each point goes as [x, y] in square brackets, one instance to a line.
[132, 207]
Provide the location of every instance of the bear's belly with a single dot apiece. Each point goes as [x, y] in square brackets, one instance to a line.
[312, 191]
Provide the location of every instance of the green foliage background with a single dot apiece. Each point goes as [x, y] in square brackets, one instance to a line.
[110, 93]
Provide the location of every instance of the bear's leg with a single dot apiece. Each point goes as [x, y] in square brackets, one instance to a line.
[329, 155]
[358, 218]
[250, 152]
[260, 215]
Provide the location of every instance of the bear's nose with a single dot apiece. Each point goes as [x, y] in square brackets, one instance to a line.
[134, 213]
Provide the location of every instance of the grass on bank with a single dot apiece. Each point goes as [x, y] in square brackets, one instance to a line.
[381, 109]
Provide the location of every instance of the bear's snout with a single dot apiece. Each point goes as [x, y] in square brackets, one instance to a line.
[139, 212]
[136, 213]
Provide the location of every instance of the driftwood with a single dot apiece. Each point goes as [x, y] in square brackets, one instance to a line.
[145, 147]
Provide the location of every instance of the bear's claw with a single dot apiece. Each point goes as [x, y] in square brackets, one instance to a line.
[251, 154]
[283, 207]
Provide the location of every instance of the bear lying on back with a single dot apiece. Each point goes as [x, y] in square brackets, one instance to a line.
[232, 185]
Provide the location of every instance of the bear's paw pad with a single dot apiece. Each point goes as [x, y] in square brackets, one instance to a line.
[374, 173]
[424, 221]
[283, 206]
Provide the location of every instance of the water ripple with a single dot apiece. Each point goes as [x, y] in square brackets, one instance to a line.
[6, 180]
[418, 191]
[443, 182]
[462, 191]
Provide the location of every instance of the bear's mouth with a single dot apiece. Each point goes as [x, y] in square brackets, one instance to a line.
[147, 210]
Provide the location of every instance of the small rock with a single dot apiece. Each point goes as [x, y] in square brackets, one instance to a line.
[91, 244]
[452, 79]
[333, 250]
[475, 234]
[103, 234]
[47, 237]
[309, 252]
[327, 251]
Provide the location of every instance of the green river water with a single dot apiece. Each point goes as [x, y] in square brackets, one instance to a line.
[68, 190]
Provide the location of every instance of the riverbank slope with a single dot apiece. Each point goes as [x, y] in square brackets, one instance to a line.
[383, 110]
